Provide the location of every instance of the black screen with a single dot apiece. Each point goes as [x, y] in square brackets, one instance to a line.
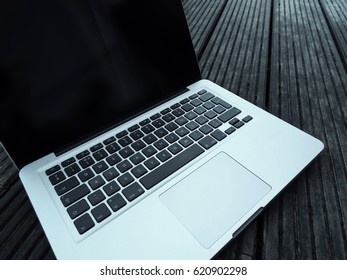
[69, 68]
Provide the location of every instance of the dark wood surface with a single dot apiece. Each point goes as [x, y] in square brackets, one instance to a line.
[288, 57]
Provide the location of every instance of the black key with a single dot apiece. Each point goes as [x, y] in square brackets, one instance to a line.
[194, 96]
[230, 130]
[144, 122]
[161, 132]
[218, 135]
[101, 212]
[192, 125]
[160, 144]
[208, 105]
[163, 155]
[169, 167]
[138, 171]
[137, 134]
[110, 174]
[201, 92]
[158, 123]
[196, 102]
[206, 96]
[191, 115]
[133, 191]
[113, 159]
[210, 114]
[150, 138]
[187, 107]
[84, 223]
[85, 174]
[247, 118]
[74, 195]
[87, 161]
[126, 152]
[138, 145]
[196, 135]
[205, 129]
[96, 182]
[175, 148]
[67, 185]
[165, 111]
[137, 158]
[171, 126]
[72, 169]
[78, 209]
[96, 197]
[116, 202]
[215, 123]
[178, 112]
[149, 151]
[147, 128]
[99, 167]
[82, 154]
[133, 128]
[68, 162]
[207, 142]
[182, 131]
[184, 101]
[219, 101]
[228, 115]
[168, 117]
[52, 170]
[111, 188]
[239, 124]
[219, 109]
[121, 134]
[109, 140]
[172, 137]
[57, 178]
[100, 154]
[112, 148]
[200, 110]
[181, 121]
[201, 120]
[124, 166]
[125, 141]
[96, 147]
[175, 106]
[234, 120]
[155, 116]
[125, 179]
[185, 142]
[151, 163]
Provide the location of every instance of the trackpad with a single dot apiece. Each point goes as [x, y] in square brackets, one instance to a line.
[210, 200]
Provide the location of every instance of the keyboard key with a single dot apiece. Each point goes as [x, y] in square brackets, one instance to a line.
[121, 134]
[100, 154]
[149, 151]
[168, 118]
[138, 171]
[247, 118]
[125, 141]
[196, 135]
[187, 107]
[96, 197]
[126, 152]
[215, 123]
[96, 147]
[68, 161]
[151, 163]
[124, 166]
[133, 128]
[111, 188]
[175, 148]
[74, 195]
[191, 115]
[184, 101]
[196, 102]
[57, 178]
[178, 112]
[233, 121]
[96, 182]
[165, 111]
[181, 121]
[67, 185]
[147, 128]
[201, 92]
[133, 191]
[239, 124]
[185, 142]
[161, 132]
[78, 209]
[160, 144]
[155, 116]
[84, 223]
[210, 115]
[163, 155]
[137, 158]
[219, 109]
[228, 115]
[171, 126]
[116, 202]
[150, 138]
[86, 162]
[110, 174]
[175, 106]
[207, 142]
[113, 159]
[158, 123]
[201, 120]
[138, 145]
[206, 129]
[194, 96]
[219, 101]
[200, 110]
[230, 130]
[137, 134]
[125, 179]
[206, 96]
[218, 135]
[109, 140]
[172, 137]
[182, 131]
[99, 167]
[52, 170]
[112, 148]
[72, 169]
[101, 212]
[82, 154]
[144, 122]
[192, 125]
[169, 167]
[85, 175]
[208, 105]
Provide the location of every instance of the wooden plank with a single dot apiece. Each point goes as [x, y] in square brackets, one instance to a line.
[308, 83]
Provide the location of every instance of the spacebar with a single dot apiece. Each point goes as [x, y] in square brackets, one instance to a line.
[171, 166]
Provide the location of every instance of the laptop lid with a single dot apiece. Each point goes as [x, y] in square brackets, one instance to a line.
[70, 69]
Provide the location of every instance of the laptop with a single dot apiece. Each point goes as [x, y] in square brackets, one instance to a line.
[124, 150]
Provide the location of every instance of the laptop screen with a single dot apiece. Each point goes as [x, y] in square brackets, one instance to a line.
[71, 68]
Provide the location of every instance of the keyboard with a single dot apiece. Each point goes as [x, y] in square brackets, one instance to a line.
[95, 184]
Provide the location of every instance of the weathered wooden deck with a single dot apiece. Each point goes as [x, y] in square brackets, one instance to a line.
[289, 57]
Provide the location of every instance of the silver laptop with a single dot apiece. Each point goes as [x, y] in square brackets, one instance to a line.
[124, 151]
